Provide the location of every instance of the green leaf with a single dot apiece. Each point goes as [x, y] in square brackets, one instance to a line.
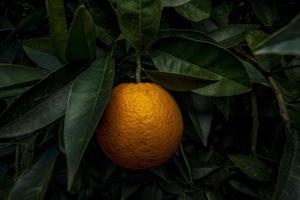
[200, 112]
[81, 44]
[176, 82]
[88, 98]
[33, 183]
[184, 33]
[265, 10]
[203, 60]
[217, 177]
[231, 35]
[285, 41]
[173, 3]
[252, 167]
[292, 70]
[12, 92]
[288, 181]
[49, 97]
[255, 75]
[41, 51]
[195, 10]
[221, 13]
[265, 62]
[57, 26]
[139, 21]
[104, 26]
[16, 76]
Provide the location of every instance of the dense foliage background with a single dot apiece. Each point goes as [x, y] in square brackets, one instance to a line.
[232, 65]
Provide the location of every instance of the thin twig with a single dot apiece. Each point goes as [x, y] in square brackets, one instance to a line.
[138, 67]
[281, 103]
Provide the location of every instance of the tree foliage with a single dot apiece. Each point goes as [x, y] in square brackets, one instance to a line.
[232, 66]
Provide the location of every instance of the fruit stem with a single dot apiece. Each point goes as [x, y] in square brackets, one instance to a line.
[138, 67]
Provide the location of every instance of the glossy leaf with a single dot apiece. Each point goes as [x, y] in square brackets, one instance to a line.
[252, 167]
[176, 82]
[57, 26]
[81, 44]
[200, 112]
[231, 35]
[16, 76]
[203, 60]
[266, 62]
[139, 21]
[265, 10]
[41, 51]
[49, 96]
[285, 41]
[33, 183]
[288, 181]
[88, 98]
[173, 3]
[195, 10]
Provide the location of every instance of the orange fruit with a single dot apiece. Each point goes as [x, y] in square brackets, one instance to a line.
[141, 126]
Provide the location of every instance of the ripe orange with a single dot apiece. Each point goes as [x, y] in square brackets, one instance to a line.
[141, 126]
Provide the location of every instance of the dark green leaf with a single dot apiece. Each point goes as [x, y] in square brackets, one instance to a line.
[48, 97]
[14, 76]
[244, 188]
[104, 26]
[288, 182]
[217, 177]
[254, 74]
[292, 70]
[81, 44]
[33, 183]
[152, 192]
[203, 60]
[88, 98]
[266, 62]
[184, 33]
[57, 26]
[252, 167]
[231, 35]
[128, 189]
[139, 21]
[265, 10]
[223, 104]
[285, 41]
[41, 51]
[173, 3]
[176, 82]
[12, 92]
[200, 112]
[195, 10]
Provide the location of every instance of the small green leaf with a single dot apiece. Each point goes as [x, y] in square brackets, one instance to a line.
[254, 74]
[285, 41]
[265, 10]
[33, 183]
[231, 35]
[41, 51]
[252, 167]
[151, 192]
[265, 62]
[16, 76]
[200, 112]
[195, 10]
[57, 26]
[88, 98]
[173, 3]
[139, 21]
[81, 44]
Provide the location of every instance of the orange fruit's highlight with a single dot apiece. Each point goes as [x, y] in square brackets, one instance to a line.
[141, 126]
